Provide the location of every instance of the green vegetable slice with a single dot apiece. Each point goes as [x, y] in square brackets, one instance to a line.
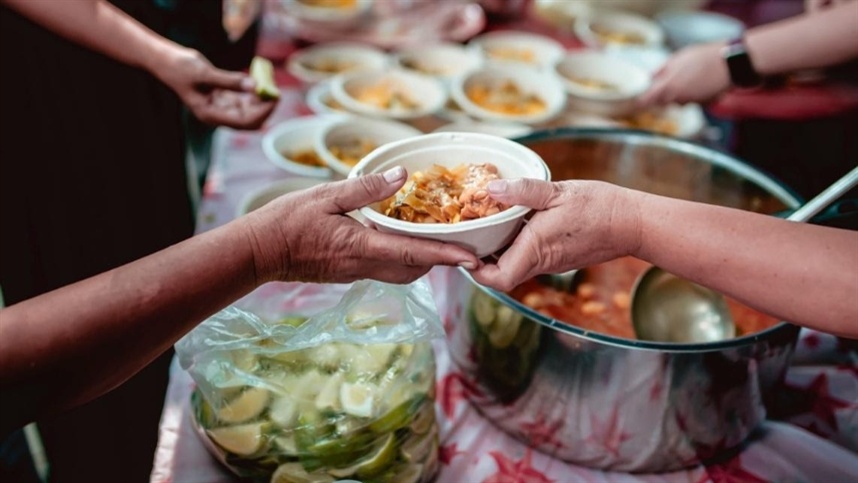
[377, 462]
[295, 473]
[248, 405]
[262, 71]
[244, 439]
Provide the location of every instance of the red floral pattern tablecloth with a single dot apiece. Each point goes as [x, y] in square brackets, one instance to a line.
[814, 440]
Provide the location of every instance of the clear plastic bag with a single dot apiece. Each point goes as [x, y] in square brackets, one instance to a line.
[288, 395]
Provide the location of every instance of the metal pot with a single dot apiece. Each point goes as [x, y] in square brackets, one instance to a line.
[608, 402]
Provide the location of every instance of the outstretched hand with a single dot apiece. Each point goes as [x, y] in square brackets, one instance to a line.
[578, 223]
[308, 236]
[694, 74]
[214, 96]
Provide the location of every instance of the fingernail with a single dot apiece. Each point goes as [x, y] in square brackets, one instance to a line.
[393, 175]
[497, 187]
[248, 84]
[468, 265]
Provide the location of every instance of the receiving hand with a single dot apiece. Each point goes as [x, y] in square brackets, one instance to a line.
[694, 74]
[579, 223]
[308, 236]
[215, 96]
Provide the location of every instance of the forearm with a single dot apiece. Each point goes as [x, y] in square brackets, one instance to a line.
[805, 42]
[97, 25]
[801, 273]
[71, 345]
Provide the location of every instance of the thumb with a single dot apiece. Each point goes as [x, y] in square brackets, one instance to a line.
[224, 79]
[364, 190]
[531, 193]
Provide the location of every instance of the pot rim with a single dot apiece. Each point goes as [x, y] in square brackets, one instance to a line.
[632, 136]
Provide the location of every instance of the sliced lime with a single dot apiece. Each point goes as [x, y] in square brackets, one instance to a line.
[408, 474]
[484, 310]
[377, 462]
[283, 411]
[244, 439]
[328, 397]
[416, 448]
[398, 417]
[505, 328]
[357, 399]
[248, 405]
[295, 473]
[262, 71]
[424, 420]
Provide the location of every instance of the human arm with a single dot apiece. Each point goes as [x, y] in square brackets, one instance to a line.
[809, 41]
[802, 273]
[215, 96]
[73, 344]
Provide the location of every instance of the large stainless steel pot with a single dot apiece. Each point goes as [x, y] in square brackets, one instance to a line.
[607, 402]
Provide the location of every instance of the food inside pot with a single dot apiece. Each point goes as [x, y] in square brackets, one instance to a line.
[602, 299]
[330, 412]
[441, 195]
[612, 36]
[308, 157]
[505, 98]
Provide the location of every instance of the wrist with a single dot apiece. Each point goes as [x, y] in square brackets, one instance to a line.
[267, 246]
[739, 63]
[625, 227]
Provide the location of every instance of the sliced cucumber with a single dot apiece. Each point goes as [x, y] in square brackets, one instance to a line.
[408, 474]
[484, 310]
[248, 405]
[505, 328]
[377, 462]
[283, 412]
[295, 473]
[262, 71]
[328, 396]
[245, 439]
[417, 448]
[357, 399]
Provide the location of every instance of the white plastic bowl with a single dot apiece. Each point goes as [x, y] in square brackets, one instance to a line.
[444, 61]
[543, 84]
[258, 198]
[652, 33]
[377, 131]
[297, 134]
[687, 28]
[502, 129]
[482, 236]
[360, 56]
[545, 50]
[428, 93]
[630, 80]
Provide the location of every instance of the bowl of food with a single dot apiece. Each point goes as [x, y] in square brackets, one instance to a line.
[290, 145]
[323, 14]
[502, 129]
[509, 93]
[262, 196]
[320, 100]
[445, 197]
[626, 405]
[342, 144]
[443, 61]
[610, 28]
[393, 94]
[601, 84]
[507, 47]
[323, 61]
[684, 28]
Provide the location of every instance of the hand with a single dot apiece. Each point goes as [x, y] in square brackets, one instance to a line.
[215, 96]
[579, 223]
[307, 236]
[694, 74]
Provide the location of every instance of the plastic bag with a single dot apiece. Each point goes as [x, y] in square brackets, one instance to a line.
[345, 393]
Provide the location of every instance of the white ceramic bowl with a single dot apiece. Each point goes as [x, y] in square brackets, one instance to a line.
[482, 236]
[328, 17]
[296, 135]
[502, 129]
[258, 198]
[687, 28]
[586, 28]
[376, 131]
[543, 84]
[426, 92]
[628, 81]
[353, 55]
[444, 61]
[502, 47]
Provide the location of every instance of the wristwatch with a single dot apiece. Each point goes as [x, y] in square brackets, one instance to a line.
[742, 72]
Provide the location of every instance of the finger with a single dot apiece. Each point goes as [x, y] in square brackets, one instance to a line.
[517, 264]
[415, 252]
[255, 113]
[654, 94]
[355, 193]
[531, 193]
[224, 79]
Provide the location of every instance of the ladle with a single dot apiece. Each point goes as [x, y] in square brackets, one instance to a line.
[667, 308]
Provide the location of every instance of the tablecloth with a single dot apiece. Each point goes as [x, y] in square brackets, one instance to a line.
[815, 440]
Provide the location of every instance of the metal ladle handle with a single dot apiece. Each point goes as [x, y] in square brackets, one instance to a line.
[828, 195]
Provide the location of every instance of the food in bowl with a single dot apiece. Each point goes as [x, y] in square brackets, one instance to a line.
[330, 3]
[386, 95]
[323, 61]
[393, 94]
[441, 195]
[308, 156]
[594, 83]
[511, 53]
[352, 150]
[505, 98]
[521, 48]
[425, 68]
[608, 35]
[328, 65]
[601, 301]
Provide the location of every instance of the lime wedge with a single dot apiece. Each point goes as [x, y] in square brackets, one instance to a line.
[416, 448]
[424, 420]
[246, 406]
[295, 473]
[505, 328]
[377, 462]
[408, 474]
[357, 398]
[244, 439]
[484, 311]
[262, 71]
[397, 417]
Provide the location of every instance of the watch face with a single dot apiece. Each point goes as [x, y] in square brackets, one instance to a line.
[742, 72]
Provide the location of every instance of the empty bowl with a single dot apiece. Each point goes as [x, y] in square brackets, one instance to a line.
[324, 61]
[602, 28]
[290, 145]
[393, 94]
[509, 94]
[343, 143]
[482, 236]
[601, 84]
[507, 47]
